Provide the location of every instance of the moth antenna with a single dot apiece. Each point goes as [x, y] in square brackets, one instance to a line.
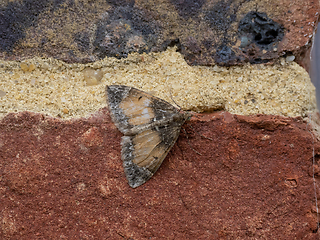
[189, 143]
[121, 235]
[174, 100]
[257, 7]
[199, 133]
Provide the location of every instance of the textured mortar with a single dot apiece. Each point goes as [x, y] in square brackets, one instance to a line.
[59, 89]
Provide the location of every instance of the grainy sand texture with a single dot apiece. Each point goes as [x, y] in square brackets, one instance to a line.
[66, 90]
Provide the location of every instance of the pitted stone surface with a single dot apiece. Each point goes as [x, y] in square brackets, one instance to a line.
[206, 32]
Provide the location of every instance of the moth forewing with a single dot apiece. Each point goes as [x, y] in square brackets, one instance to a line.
[151, 127]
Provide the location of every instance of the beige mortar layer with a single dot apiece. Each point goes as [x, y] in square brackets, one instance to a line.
[59, 89]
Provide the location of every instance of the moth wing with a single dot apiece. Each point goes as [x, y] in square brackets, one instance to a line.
[143, 153]
[130, 107]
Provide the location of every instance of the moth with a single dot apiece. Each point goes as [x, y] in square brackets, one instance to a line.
[151, 127]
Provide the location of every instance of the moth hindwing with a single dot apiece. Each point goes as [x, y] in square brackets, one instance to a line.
[150, 126]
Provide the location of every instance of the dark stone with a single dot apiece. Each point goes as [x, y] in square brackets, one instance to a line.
[224, 55]
[18, 16]
[171, 43]
[188, 8]
[83, 41]
[257, 28]
[205, 31]
[125, 30]
[221, 16]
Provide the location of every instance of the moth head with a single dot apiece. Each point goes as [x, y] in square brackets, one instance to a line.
[187, 116]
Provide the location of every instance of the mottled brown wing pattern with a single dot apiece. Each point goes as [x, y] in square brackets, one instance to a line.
[130, 107]
[151, 127]
[143, 153]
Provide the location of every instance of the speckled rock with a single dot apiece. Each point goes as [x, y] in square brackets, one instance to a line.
[63, 179]
[206, 32]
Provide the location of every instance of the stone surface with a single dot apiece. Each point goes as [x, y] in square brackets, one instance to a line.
[206, 32]
[63, 179]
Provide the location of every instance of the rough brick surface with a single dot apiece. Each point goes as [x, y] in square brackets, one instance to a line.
[64, 180]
